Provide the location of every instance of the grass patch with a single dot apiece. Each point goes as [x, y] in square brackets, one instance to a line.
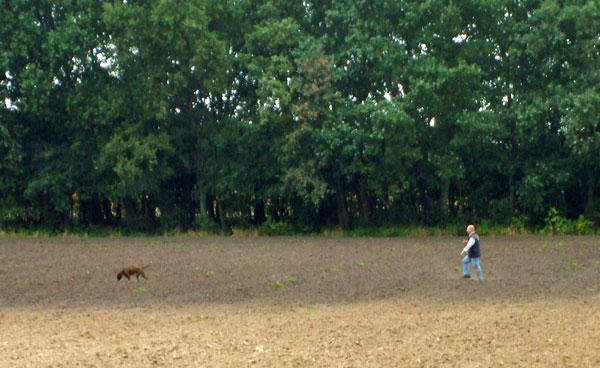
[572, 265]
[396, 231]
[244, 232]
[484, 229]
[142, 289]
[518, 226]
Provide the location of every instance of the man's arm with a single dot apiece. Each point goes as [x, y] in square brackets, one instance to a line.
[468, 246]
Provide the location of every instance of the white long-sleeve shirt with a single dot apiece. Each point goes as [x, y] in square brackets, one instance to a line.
[469, 245]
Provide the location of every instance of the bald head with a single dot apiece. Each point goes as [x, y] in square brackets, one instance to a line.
[470, 229]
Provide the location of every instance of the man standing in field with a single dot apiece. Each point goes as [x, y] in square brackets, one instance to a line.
[473, 253]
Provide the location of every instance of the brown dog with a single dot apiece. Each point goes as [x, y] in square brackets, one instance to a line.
[134, 270]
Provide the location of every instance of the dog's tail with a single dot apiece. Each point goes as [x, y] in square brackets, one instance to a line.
[144, 267]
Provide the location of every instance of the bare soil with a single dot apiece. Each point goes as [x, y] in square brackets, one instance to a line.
[299, 302]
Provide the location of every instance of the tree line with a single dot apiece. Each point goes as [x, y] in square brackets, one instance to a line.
[166, 114]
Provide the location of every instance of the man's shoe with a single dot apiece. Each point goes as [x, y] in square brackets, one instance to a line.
[467, 276]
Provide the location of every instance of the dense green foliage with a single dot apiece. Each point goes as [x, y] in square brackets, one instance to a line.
[298, 115]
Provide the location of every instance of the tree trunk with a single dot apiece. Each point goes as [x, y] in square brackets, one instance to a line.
[84, 216]
[222, 218]
[119, 212]
[444, 195]
[343, 219]
[96, 215]
[109, 218]
[363, 198]
[422, 205]
[511, 192]
[590, 188]
[259, 212]
[203, 206]
[148, 208]
[129, 207]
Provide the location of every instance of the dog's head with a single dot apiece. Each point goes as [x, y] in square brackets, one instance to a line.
[119, 275]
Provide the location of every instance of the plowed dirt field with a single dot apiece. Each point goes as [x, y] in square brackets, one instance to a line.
[299, 302]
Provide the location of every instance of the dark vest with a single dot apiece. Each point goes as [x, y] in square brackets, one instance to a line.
[475, 250]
